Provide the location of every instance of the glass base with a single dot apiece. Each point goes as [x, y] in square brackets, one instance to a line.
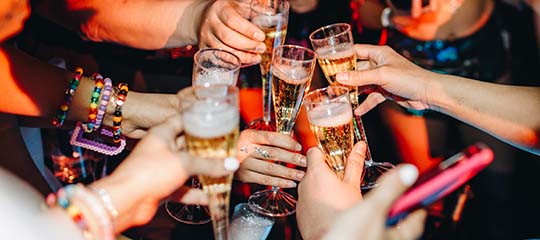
[188, 214]
[261, 124]
[372, 172]
[272, 202]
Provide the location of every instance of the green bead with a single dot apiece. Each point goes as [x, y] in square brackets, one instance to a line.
[95, 94]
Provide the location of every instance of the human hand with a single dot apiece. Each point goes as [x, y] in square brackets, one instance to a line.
[142, 111]
[322, 195]
[398, 79]
[155, 169]
[258, 150]
[224, 27]
[367, 219]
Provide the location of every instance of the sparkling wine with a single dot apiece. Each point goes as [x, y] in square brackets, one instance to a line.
[213, 137]
[334, 133]
[288, 88]
[335, 59]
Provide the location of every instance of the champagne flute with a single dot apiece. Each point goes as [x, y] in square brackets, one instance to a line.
[330, 117]
[292, 70]
[211, 125]
[211, 66]
[271, 16]
[335, 47]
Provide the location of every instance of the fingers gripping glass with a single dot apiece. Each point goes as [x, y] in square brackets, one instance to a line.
[334, 45]
[292, 70]
[271, 16]
[210, 67]
[211, 126]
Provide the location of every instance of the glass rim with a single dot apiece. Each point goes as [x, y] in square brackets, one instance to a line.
[190, 91]
[314, 92]
[346, 31]
[284, 11]
[315, 55]
[202, 50]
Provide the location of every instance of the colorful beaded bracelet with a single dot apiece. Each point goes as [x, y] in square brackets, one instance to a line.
[105, 96]
[85, 209]
[61, 115]
[94, 98]
[117, 116]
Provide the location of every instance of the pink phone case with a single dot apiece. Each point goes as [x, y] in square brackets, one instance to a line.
[440, 181]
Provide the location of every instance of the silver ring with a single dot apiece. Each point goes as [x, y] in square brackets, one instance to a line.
[262, 152]
[244, 149]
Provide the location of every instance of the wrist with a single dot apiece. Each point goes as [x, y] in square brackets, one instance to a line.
[187, 30]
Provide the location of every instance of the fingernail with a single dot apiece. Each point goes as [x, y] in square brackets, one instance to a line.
[300, 175]
[231, 164]
[291, 184]
[260, 48]
[298, 147]
[256, 59]
[361, 148]
[341, 77]
[408, 174]
[302, 160]
[258, 36]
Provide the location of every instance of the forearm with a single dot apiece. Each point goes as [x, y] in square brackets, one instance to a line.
[33, 88]
[144, 24]
[370, 14]
[511, 113]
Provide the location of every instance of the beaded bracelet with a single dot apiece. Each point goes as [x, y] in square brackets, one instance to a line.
[61, 115]
[85, 209]
[105, 96]
[92, 109]
[117, 117]
[107, 202]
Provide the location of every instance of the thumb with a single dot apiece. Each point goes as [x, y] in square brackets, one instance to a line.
[169, 129]
[355, 165]
[315, 160]
[393, 184]
[360, 77]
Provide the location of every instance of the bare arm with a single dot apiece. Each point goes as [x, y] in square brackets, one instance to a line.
[370, 14]
[511, 113]
[33, 88]
[145, 24]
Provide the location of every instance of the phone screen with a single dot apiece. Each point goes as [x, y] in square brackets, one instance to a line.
[441, 180]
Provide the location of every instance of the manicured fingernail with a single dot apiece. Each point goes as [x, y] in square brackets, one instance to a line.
[291, 184]
[298, 147]
[360, 148]
[231, 164]
[261, 48]
[341, 77]
[302, 160]
[300, 175]
[258, 36]
[408, 174]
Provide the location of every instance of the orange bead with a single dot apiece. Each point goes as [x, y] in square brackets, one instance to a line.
[91, 116]
[99, 84]
[124, 87]
[117, 119]
[64, 107]
[79, 71]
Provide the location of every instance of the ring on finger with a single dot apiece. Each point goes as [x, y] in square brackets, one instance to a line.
[262, 152]
[244, 149]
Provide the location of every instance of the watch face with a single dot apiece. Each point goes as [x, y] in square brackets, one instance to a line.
[13, 13]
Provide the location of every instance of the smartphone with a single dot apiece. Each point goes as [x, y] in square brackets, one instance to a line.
[441, 180]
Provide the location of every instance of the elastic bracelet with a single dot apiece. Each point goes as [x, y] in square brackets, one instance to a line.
[86, 210]
[107, 202]
[61, 115]
[121, 95]
[105, 96]
[93, 107]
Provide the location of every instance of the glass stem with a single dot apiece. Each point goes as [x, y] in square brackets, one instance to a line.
[266, 94]
[359, 132]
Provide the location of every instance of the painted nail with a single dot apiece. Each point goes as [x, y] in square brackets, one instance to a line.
[291, 184]
[260, 48]
[302, 160]
[300, 175]
[231, 164]
[361, 148]
[258, 35]
[408, 174]
[298, 147]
